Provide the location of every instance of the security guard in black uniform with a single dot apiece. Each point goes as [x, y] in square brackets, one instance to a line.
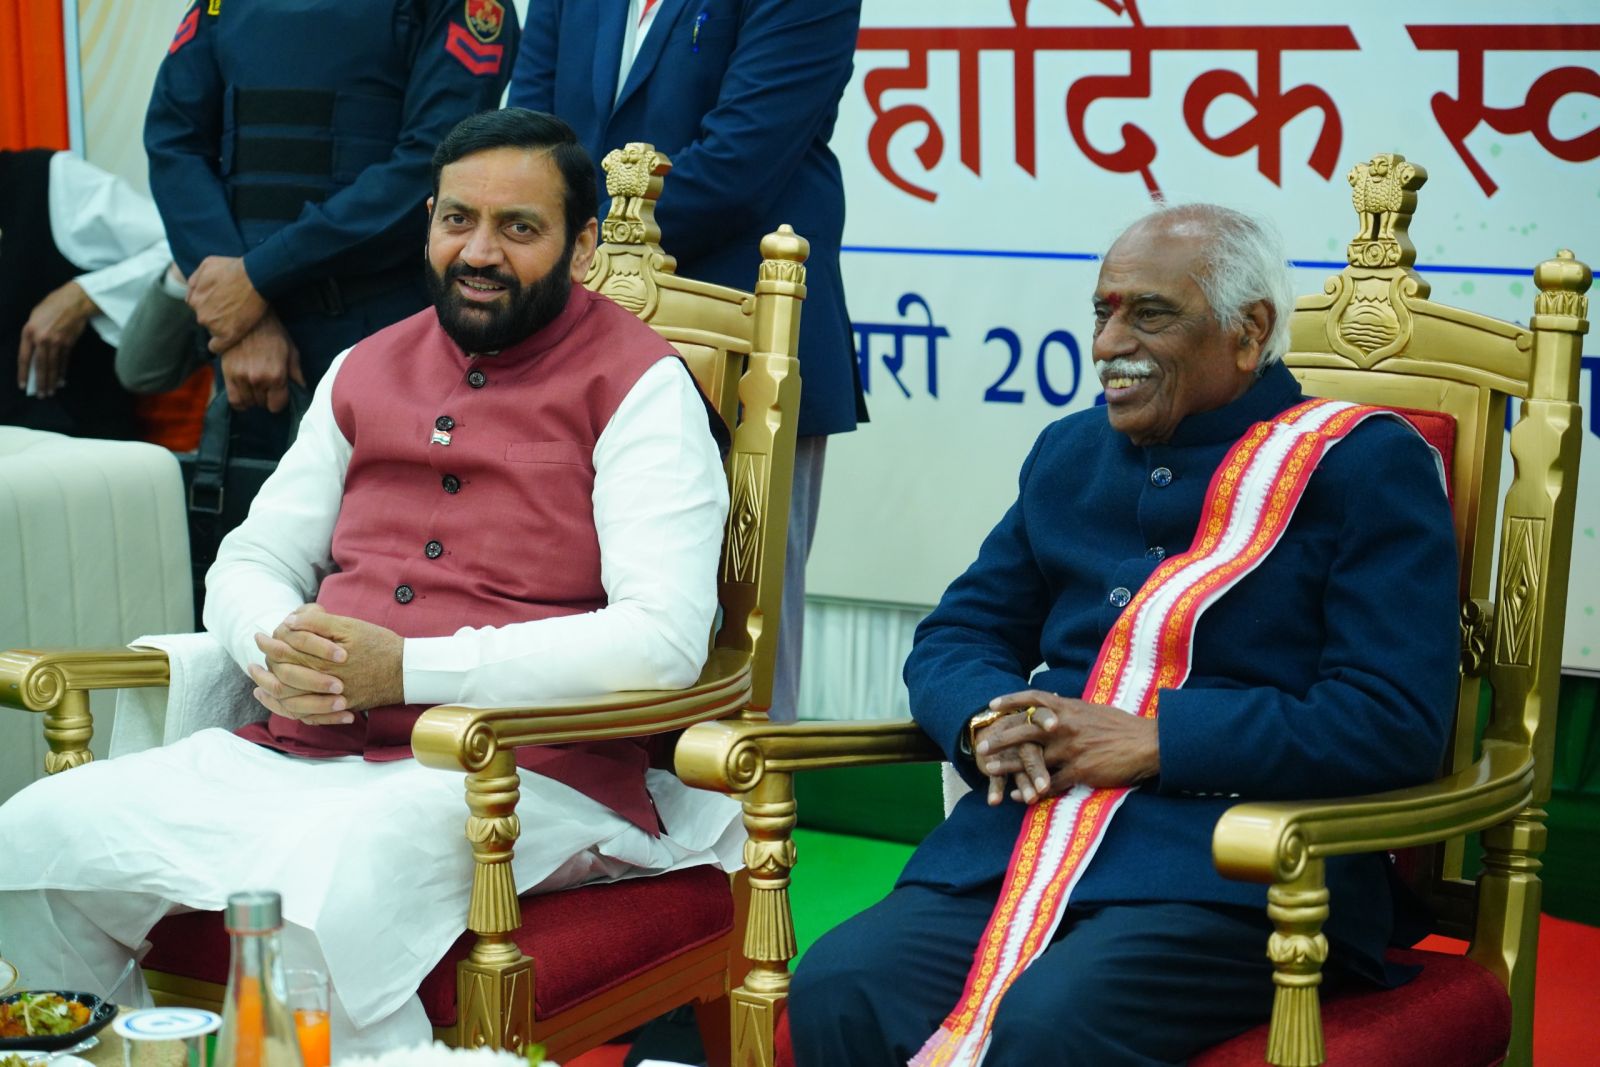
[289, 148]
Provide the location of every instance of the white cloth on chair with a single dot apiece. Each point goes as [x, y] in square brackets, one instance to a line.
[206, 689]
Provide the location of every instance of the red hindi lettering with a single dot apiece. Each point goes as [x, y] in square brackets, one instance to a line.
[1463, 113]
[889, 122]
[1138, 151]
[1274, 107]
[1273, 110]
[917, 44]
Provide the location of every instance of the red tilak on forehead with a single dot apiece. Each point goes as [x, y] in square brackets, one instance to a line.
[1113, 300]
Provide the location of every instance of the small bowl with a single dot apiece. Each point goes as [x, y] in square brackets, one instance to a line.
[100, 1013]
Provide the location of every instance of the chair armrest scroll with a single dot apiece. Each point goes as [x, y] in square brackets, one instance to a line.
[458, 738]
[1272, 841]
[732, 757]
[37, 679]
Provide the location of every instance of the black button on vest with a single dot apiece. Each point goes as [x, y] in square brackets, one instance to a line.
[477, 379]
[444, 423]
[433, 550]
[451, 483]
[404, 594]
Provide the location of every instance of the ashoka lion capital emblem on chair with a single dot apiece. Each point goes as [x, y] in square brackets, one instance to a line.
[632, 240]
[1370, 321]
[1384, 192]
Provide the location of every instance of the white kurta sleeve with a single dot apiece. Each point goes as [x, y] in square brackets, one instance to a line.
[102, 226]
[660, 500]
[273, 562]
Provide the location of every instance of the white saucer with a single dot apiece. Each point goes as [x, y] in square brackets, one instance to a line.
[166, 1024]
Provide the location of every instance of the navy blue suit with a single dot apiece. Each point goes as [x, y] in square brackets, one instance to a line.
[300, 138]
[1330, 670]
[742, 96]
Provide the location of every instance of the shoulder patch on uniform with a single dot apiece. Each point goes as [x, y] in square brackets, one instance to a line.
[485, 18]
[186, 30]
[477, 57]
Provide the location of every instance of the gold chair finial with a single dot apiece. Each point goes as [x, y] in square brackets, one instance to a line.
[1562, 283]
[1384, 192]
[783, 256]
[634, 176]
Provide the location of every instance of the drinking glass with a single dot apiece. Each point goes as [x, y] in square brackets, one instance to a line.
[166, 1037]
[307, 998]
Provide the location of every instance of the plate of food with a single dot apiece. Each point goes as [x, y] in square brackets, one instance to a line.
[39, 1058]
[46, 1020]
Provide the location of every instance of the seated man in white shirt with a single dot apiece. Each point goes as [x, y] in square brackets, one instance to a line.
[77, 248]
[515, 495]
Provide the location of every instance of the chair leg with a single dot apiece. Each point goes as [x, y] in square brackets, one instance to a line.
[714, 1019]
[769, 818]
[1298, 950]
[494, 985]
[1506, 940]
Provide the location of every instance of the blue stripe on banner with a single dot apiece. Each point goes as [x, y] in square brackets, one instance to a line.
[1426, 268]
[1091, 257]
[986, 253]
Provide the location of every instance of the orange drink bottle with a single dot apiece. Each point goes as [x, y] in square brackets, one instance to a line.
[257, 1027]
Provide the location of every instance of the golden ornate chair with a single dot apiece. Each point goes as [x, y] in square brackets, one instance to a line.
[568, 969]
[1372, 336]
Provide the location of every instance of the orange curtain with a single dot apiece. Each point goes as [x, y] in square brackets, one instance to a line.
[33, 75]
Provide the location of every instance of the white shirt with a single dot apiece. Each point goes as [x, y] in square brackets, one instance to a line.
[102, 226]
[660, 501]
[635, 28]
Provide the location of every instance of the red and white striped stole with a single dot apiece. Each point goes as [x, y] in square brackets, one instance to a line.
[1248, 505]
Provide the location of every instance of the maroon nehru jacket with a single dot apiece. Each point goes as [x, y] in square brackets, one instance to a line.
[495, 527]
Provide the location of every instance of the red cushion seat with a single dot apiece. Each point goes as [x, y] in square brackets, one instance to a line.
[583, 941]
[1454, 1012]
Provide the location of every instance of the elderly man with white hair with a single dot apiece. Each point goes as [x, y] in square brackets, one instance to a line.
[1210, 588]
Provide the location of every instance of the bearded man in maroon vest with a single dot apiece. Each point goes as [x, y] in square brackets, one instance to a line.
[513, 496]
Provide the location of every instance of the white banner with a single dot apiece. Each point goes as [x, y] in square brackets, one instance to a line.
[991, 151]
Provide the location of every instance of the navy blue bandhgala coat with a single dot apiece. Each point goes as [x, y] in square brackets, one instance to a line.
[1331, 670]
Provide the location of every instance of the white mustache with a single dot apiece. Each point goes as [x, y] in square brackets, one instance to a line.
[1125, 368]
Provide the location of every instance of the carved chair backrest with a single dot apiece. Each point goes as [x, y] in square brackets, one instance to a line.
[741, 348]
[1374, 336]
